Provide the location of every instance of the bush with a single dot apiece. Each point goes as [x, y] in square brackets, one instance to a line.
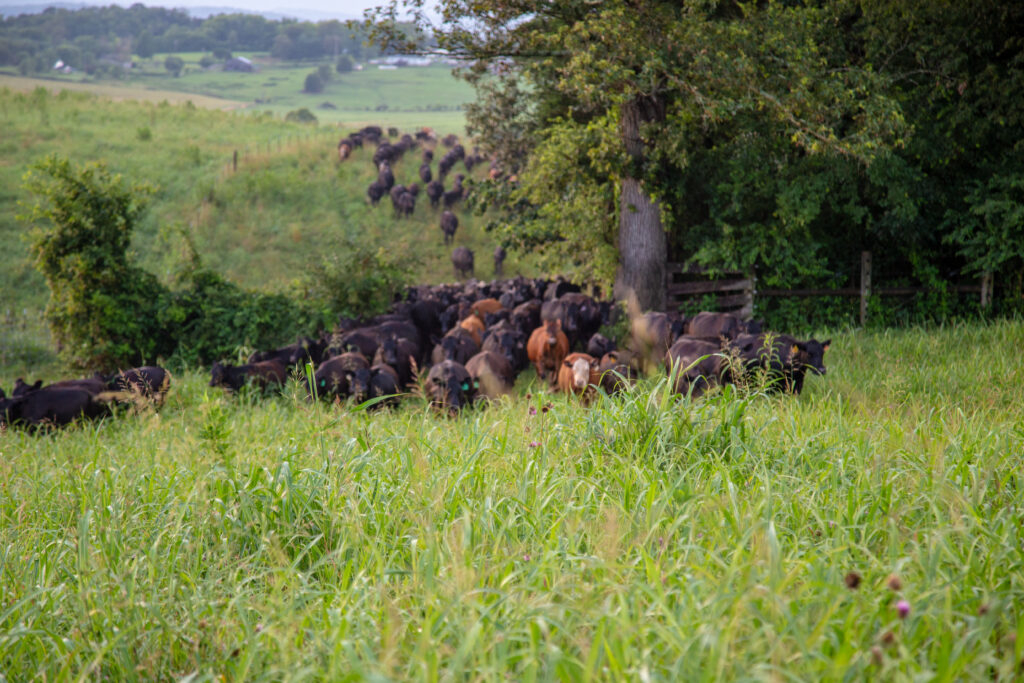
[106, 313]
[206, 61]
[354, 281]
[174, 65]
[313, 83]
[103, 310]
[301, 116]
[344, 64]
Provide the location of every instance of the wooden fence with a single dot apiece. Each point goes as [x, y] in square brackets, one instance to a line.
[735, 291]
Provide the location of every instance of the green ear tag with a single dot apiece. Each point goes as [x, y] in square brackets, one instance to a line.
[323, 382]
[465, 386]
[476, 384]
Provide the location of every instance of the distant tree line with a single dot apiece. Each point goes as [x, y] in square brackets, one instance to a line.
[102, 39]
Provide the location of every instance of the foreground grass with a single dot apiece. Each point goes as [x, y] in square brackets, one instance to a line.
[640, 538]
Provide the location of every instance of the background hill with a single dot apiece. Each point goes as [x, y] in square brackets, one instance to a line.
[289, 206]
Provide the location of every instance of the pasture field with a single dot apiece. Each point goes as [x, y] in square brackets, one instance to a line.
[290, 203]
[409, 97]
[867, 529]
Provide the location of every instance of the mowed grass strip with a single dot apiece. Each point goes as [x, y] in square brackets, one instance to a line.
[642, 538]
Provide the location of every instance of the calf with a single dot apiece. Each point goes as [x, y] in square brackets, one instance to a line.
[617, 373]
[579, 374]
[547, 348]
[263, 374]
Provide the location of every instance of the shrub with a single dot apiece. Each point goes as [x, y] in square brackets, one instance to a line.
[303, 115]
[174, 65]
[344, 64]
[313, 83]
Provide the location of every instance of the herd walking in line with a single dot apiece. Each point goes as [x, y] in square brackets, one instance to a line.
[457, 344]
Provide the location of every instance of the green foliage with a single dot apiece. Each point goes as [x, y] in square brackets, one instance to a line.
[302, 115]
[144, 45]
[325, 73]
[103, 310]
[355, 281]
[991, 234]
[212, 318]
[174, 65]
[206, 61]
[313, 83]
[344, 64]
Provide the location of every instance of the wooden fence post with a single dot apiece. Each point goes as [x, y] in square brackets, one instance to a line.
[986, 289]
[865, 285]
[234, 162]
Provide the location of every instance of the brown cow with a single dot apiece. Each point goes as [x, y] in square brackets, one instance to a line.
[475, 327]
[547, 348]
[484, 306]
[579, 374]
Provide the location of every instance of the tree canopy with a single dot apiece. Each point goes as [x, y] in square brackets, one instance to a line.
[781, 137]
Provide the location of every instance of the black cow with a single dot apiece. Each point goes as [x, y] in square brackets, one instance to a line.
[399, 354]
[457, 345]
[462, 260]
[337, 376]
[784, 359]
[598, 345]
[425, 174]
[435, 190]
[450, 387]
[499, 260]
[264, 374]
[449, 224]
[51, 406]
[148, 381]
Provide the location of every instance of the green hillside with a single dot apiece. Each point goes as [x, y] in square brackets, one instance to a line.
[290, 203]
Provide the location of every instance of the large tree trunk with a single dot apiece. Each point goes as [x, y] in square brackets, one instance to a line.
[642, 247]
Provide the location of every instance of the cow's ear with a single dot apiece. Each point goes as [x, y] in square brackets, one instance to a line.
[825, 344]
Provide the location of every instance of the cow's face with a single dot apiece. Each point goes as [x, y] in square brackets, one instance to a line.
[553, 327]
[581, 369]
[450, 386]
[811, 354]
[216, 375]
[358, 383]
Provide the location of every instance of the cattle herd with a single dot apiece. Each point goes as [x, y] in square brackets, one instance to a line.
[457, 344]
[403, 197]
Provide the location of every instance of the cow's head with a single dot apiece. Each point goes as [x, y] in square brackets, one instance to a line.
[582, 368]
[811, 354]
[450, 387]
[552, 327]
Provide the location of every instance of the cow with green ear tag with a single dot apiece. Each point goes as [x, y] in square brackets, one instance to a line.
[450, 387]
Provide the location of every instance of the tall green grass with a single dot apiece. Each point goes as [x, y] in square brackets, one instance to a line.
[641, 538]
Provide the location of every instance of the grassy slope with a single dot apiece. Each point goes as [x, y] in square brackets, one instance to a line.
[273, 540]
[289, 203]
[408, 97]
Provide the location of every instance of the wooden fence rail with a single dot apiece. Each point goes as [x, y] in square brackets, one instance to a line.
[735, 292]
